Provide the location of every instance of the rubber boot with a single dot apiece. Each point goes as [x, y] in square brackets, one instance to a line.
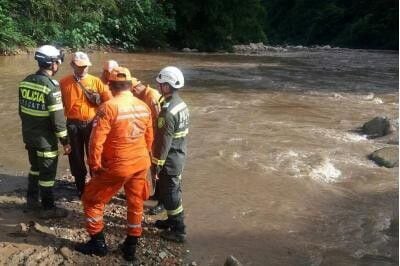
[95, 246]
[156, 209]
[163, 224]
[128, 248]
[177, 231]
[49, 210]
[32, 195]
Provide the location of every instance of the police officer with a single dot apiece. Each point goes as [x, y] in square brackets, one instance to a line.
[42, 117]
[169, 152]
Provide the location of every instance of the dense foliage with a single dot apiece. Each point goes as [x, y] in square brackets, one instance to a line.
[204, 24]
[347, 23]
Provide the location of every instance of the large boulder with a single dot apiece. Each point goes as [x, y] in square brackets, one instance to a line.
[388, 157]
[377, 127]
[232, 261]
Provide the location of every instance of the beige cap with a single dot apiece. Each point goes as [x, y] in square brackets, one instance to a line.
[81, 59]
[120, 74]
[110, 65]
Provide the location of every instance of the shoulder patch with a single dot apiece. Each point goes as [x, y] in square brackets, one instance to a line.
[160, 122]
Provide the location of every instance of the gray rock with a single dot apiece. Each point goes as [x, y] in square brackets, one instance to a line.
[66, 253]
[387, 157]
[162, 254]
[186, 50]
[377, 127]
[232, 261]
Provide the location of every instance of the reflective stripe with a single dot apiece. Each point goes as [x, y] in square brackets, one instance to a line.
[62, 134]
[34, 86]
[34, 172]
[55, 107]
[134, 115]
[47, 154]
[33, 112]
[94, 219]
[178, 108]
[46, 183]
[181, 134]
[157, 162]
[176, 211]
[134, 225]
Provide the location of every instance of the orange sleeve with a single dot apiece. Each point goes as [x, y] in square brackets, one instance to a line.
[149, 134]
[104, 91]
[101, 128]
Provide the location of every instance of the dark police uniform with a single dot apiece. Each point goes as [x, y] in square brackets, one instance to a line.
[169, 154]
[42, 117]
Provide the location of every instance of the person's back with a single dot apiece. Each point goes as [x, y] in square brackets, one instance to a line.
[126, 147]
[42, 119]
[119, 147]
[36, 100]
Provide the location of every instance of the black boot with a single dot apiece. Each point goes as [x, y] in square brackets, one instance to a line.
[156, 209]
[177, 231]
[32, 196]
[128, 248]
[49, 210]
[163, 224]
[95, 246]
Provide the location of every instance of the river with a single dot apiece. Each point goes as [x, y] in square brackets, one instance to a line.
[275, 175]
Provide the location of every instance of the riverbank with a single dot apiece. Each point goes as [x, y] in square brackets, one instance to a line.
[241, 49]
[27, 240]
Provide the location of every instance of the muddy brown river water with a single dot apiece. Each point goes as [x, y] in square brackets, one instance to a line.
[274, 175]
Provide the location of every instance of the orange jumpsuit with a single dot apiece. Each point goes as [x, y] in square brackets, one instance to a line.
[120, 143]
[152, 98]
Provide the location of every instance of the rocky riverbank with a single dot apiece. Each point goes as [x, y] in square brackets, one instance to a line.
[27, 240]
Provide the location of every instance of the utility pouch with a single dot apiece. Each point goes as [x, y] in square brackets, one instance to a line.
[92, 96]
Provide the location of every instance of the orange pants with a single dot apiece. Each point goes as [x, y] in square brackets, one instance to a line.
[99, 191]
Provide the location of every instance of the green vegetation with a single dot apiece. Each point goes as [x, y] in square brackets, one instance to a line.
[203, 24]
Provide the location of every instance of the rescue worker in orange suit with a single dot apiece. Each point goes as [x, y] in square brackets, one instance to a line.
[152, 98]
[107, 67]
[41, 113]
[119, 149]
[81, 95]
[169, 152]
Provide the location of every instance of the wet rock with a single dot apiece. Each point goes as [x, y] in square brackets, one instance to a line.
[387, 157]
[66, 253]
[232, 261]
[23, 227]
[37, 228]
[377, 127]
[162, 254]
[393, 228]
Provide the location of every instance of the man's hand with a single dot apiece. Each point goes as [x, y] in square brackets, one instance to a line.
[154, 175]
[67, 149]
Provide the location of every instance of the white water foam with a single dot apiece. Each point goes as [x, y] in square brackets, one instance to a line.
[339, 135]
[326, 173]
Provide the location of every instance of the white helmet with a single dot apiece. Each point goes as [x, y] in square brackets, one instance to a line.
[47, 54]
[172, 75]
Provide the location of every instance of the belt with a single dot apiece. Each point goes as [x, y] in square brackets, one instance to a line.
[78, 122]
